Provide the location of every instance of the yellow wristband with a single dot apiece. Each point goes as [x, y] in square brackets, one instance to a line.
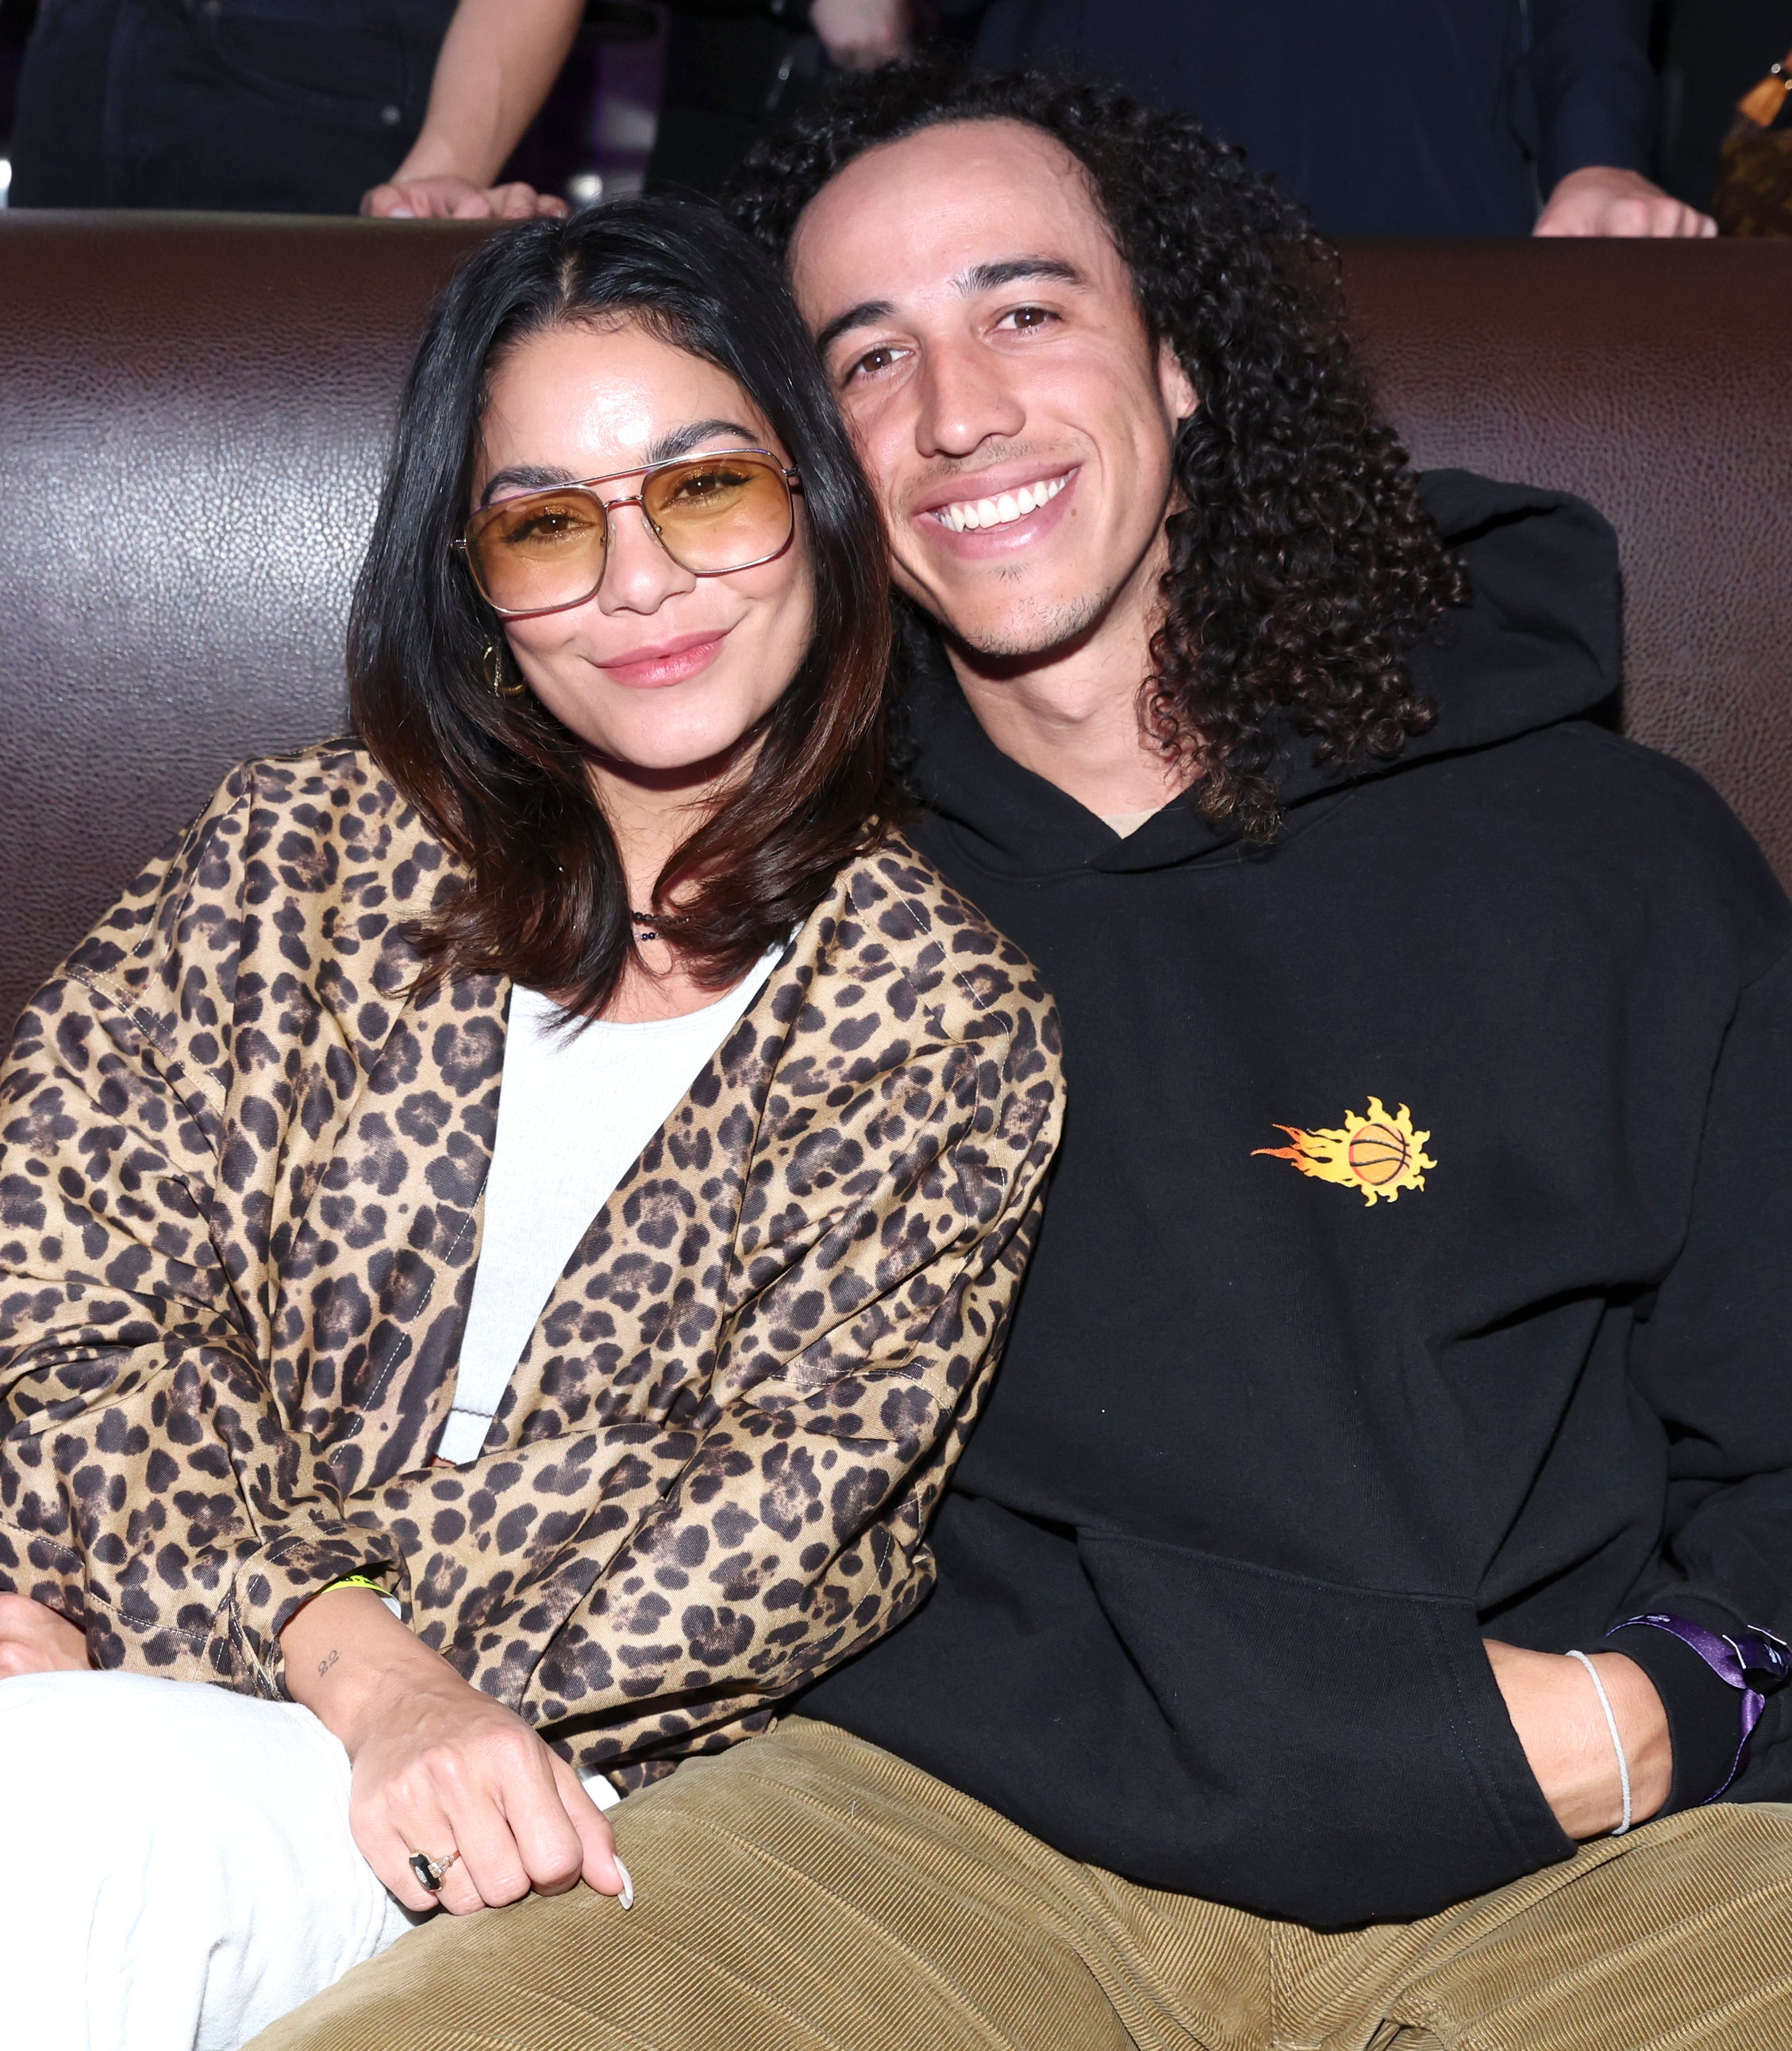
[354, 1581]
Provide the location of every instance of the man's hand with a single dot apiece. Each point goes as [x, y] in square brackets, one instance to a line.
[861, 34]
[34, 1639]
[440, 1768]
[1556, 1714]
[1601, 201]
[446, 199]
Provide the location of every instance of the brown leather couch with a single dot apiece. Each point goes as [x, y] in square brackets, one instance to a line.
[192, 412]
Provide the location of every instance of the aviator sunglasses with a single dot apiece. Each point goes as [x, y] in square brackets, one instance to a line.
[544, 551]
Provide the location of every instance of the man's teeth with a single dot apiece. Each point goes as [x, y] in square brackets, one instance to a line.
[998, 512]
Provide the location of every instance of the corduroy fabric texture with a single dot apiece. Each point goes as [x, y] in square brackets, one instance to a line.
[806, 1892]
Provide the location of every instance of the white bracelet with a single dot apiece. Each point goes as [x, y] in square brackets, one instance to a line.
[1616, 1742]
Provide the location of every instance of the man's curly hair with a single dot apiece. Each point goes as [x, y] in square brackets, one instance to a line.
[1302, 564]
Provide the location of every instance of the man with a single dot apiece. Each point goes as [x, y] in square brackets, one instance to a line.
[1365, 1575]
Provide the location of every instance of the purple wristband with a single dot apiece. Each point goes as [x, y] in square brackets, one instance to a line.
[1754, 1662]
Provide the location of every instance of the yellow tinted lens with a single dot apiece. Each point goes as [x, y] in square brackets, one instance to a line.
[542, 549]
[719, 512]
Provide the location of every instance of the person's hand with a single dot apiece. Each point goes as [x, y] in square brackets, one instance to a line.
[34, 1639]
[1556, 1714]
[442, 1769]
[459, 199]
[1603, 200]
[861, 34]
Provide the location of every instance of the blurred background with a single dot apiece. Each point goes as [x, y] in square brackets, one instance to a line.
[648, 93]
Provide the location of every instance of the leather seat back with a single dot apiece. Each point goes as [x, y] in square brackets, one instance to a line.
[193, 413]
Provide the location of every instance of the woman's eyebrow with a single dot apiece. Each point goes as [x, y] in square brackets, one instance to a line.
[681, 441]
[665, 448]
[522, 477]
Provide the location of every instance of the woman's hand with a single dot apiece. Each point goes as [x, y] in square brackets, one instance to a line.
[440, 1768]
[34, 1639]
[1559, 1723]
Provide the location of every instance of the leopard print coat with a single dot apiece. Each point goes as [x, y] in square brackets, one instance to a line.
[241, 1162]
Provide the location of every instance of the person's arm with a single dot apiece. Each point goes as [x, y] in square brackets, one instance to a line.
[154, 1490]
[440, 1768]
[1713, 1358]
[1595, 96]
[498, 61]
[788, 1512]
[1556, 1710]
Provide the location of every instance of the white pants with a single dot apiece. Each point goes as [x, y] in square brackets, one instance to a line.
[176, 1868]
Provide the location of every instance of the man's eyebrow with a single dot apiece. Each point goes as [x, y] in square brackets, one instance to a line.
[979, 278]
[862, 315]
[665, 448]
[1012, 270]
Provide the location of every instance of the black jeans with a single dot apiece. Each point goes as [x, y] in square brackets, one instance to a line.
[260, 106]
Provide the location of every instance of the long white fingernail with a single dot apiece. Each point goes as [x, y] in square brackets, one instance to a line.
[626, 1897]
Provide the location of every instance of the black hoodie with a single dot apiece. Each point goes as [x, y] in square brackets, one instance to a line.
[1272, 1450]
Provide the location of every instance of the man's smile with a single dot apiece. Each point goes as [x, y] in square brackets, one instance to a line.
[1000, 509]
[1003, 507]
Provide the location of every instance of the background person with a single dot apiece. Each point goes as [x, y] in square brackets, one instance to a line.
[1451, 117]
[275, 107]
[396, 106]
[732, 69]
[560, 1162]
[735, 68]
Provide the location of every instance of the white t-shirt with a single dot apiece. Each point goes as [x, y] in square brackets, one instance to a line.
[574, 1112]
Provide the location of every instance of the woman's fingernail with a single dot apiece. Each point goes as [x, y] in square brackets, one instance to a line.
[626, 1897]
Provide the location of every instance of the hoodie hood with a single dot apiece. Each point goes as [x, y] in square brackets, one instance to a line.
[1539, 642]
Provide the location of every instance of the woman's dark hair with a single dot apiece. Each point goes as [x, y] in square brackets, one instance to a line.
[1301, 565]
[499, 779]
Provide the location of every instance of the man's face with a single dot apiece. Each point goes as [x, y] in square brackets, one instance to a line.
[981, 330]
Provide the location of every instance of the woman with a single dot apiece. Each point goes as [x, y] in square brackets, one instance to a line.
[557, 1165]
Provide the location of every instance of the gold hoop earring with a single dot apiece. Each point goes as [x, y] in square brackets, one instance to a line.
[493, 668]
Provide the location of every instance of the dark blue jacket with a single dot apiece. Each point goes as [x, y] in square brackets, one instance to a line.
[1384, 117]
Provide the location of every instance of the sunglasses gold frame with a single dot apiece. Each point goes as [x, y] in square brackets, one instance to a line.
[790, 479]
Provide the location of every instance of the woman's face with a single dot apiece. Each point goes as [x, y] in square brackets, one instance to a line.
[660, 671]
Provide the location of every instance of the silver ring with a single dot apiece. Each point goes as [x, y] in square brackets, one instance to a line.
[431, 1873]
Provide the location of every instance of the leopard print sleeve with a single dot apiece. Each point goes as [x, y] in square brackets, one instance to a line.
[151, 1487]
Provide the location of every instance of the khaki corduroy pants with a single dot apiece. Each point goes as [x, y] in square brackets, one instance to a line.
[807, 1892]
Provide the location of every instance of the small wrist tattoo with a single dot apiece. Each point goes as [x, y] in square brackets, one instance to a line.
[325, 1664]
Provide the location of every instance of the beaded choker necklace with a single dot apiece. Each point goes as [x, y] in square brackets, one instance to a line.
[647, 925]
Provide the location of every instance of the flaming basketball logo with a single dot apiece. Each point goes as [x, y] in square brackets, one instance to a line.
[1379, 1154]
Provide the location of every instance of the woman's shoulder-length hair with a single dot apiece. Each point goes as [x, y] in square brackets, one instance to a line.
[498, 778]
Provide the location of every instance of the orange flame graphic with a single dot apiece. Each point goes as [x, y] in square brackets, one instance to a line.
[1379, 1153]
